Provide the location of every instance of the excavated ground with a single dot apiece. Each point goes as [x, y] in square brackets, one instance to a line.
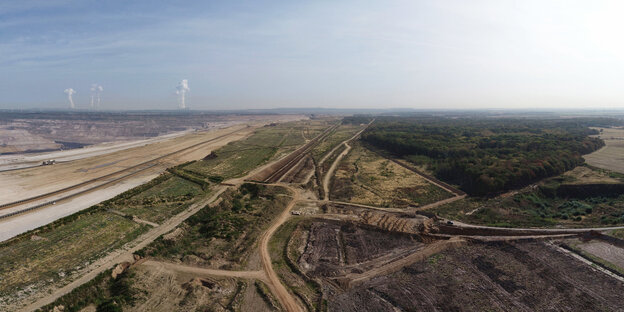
[300, 172]
[528, 276]
[336, 249]
[159, 289]
[394, 222]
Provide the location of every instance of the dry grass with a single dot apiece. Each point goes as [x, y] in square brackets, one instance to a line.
[265, 144]
[585, 175]
[377, 181]
[51, 256]
[612, 155]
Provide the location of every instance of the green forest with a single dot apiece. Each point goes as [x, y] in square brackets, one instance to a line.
[487, 156]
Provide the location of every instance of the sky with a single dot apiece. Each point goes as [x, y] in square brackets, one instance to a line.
[439, 54]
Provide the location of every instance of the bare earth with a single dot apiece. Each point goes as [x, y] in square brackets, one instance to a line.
[85, 164]
[612, 155]
[605, 251]
[25, 183]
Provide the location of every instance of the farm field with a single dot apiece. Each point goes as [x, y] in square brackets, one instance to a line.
[363, 177]
[611, 156]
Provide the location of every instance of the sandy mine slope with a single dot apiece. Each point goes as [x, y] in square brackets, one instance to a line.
[21, 184]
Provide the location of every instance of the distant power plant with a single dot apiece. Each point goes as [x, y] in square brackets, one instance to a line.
[70, 92]
[96, 91]
[181, 91]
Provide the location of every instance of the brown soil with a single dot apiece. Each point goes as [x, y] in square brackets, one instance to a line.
[299, 172]
[395, 222]
[603, 250]
[162, 289]
[364, 177]
[335, 249]
[529, 276]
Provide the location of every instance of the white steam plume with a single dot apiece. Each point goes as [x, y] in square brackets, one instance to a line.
[182, 89]
[70, 92]
[96, 93]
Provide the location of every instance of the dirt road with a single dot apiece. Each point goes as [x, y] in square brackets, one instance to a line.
[438, 203]
[330, 172]
[275, 285]
[206, 272]
[537, 231]
[125, 253]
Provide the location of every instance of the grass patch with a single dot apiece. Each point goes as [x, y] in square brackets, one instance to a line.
[530, 208]
[267, 143]
[54, 255]
[265, 294]
[224, 234]
[364, 177]
[172, 187]
[343, 132]
[106, 293]
[617, 233]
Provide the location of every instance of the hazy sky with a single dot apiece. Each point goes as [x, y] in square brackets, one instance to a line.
[261, 54]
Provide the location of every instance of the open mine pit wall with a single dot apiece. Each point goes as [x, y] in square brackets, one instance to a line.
[33, 132]
[392, 222]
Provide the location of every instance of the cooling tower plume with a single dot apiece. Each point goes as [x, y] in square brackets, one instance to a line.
[70, 92]
[183, 88]
[96, 95]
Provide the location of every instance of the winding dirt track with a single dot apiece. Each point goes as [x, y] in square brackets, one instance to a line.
[330, 171]
[206, 272]
[125, 253]
[275, 285]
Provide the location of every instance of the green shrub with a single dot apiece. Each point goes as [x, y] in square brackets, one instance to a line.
[109, 306]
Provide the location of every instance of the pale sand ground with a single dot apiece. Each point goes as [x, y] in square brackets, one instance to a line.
[21, 184]
[13, 226]
[8, 162]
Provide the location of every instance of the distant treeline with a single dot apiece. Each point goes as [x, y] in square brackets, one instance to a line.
[357, 119]
[486, 156]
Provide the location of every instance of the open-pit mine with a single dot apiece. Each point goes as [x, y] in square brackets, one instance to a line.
[284, 213]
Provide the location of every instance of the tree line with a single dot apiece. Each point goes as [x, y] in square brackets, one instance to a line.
[485, 156]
